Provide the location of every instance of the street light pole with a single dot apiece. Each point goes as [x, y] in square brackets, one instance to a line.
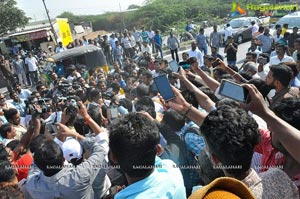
[52, 28]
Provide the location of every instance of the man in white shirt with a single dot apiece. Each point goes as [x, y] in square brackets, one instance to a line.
[254, 27]
[32, 69]
[194, 52]
[228, 32]
[60, 47]
[281, 57]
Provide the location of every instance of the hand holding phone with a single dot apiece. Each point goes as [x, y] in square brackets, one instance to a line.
[52, 128]
[164, 88]
[234, 91]
[215, 63]
[174, 66]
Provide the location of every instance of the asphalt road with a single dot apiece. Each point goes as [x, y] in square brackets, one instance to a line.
[241, 54]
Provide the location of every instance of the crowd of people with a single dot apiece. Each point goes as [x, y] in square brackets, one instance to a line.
[92, 134]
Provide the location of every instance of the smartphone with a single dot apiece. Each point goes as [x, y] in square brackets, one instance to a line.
[215, 63]
[113, 112]
[164, 88]
[174, 66]
[51, 128]
[184, 65]
[234, 91]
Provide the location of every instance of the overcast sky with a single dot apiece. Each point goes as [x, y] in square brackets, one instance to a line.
[35, 8]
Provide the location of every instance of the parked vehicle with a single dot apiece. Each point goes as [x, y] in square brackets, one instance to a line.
[292, 19]
[242, 28]
[92, 57]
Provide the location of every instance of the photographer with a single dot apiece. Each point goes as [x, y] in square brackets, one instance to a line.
[263, 65]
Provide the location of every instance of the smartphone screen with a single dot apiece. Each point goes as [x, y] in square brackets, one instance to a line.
[113, 112]
[164, 88]
[215, 63]
[51, 128]
[184, 65]
[234, 91]
[174, 66]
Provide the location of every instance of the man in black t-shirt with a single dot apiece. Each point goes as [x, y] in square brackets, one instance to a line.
[231, 51]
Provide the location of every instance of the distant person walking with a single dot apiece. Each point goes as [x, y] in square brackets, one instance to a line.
[173, 45]
[19, 68]
[202, 41]
[215, 38]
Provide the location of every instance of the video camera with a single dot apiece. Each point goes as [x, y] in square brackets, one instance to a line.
[36, 106]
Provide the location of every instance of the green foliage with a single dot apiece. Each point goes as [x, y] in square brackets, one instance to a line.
[133, 6]
[11, 17]
[163, 15]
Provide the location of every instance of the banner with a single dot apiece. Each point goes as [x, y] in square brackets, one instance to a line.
[31, 36]
[64, 31]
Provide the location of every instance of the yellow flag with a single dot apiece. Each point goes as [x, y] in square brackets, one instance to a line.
[64, 31]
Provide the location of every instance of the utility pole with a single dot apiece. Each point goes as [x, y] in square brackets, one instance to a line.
[52, 28]
[122, 14]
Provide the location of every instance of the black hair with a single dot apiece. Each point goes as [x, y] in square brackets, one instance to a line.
[12, 93]
[94, 94]
[261, 85]
[133, 142]
[289, 110]
[3, 153]
[81, 127]
[246, 75]
[173, 119]
[147, 73]
[38, 87]
[227, 102]
[142, 90]
[37, 142]
[282, 73]
[207, 172]
[231, 135]
[116, 87]
[11, 192]
[7, 172]
[10, 113]
[4, 129]
[13, 144]
[293, 67]
[95, 115]
[145, 104]
[253, 54]
[261, 29]
[265, 55]
[126, 103]
[49, 158]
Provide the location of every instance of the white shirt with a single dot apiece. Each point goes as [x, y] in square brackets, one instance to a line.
[263, 74]
[228, 32]
[254, 29]
[126, 42]
[32, 64]
[197, 53]
[24, 94]
[275, 60]
[59, 49]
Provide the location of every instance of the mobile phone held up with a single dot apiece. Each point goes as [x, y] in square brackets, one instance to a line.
[174, 66]
[164, 88]
[234, 91]
[51, 128]
[215, 63]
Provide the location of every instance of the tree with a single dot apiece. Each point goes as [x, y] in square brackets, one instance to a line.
[71, 17]
[133, 6]
[11, 17]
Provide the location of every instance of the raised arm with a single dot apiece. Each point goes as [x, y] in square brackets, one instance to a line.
[203, 100]
[288, 136]
[209, 81]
